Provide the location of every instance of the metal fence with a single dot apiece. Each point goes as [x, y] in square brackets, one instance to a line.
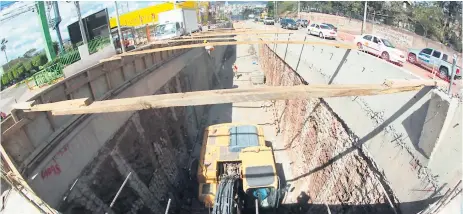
[54, 70]
[97, 44]
[46, 76]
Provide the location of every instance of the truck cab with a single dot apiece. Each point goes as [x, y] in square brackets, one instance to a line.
[433, 59]
[176, 23]
[234, 156]
[168, 31]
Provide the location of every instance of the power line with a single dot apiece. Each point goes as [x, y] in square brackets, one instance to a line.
[22, 9]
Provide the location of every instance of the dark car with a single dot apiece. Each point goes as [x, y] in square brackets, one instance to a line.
[288, 24]
[302, 22]
[331, 26]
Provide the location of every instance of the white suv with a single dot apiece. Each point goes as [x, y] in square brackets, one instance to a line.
[321, 30]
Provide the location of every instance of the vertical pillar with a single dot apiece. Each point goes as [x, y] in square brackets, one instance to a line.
[135, 183]
[45, 31]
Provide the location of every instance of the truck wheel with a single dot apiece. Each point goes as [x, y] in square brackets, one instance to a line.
[412, 58]
[443, 72]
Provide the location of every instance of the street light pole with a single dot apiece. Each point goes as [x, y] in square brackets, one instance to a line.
[81, 24]
[364, 17]
[119, 28]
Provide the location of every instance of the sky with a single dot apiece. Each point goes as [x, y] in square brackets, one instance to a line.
[23, 32]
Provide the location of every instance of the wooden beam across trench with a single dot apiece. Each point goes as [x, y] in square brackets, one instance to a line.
[239, 95]
[247, 42]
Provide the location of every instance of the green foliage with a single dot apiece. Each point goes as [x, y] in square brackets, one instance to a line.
[270, 8]
[28, 66]
[39, 60]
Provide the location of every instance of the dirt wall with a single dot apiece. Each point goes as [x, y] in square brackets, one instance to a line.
[328, 169]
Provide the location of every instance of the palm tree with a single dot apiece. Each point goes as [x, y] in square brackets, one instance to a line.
[3, 48]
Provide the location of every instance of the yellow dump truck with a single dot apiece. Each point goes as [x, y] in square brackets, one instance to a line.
[237, 170]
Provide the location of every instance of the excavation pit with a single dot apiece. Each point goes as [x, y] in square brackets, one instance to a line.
[331, 154]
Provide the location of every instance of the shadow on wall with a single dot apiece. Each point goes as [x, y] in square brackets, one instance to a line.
[304, 206]
[414, 123]
[370, 135]
[222, 113]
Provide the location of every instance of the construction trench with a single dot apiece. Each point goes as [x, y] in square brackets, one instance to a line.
[326, 164]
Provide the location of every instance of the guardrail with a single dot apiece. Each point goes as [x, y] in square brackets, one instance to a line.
[69, 57]
[97, 44]
[47, 75]
[54, 71]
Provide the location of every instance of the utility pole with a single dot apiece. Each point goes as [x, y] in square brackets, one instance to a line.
[81, 24]
[452, 74]
[276, 9]
[56, 25]
[364, 18]
[50, 52]
[299, 9]
[119, 28]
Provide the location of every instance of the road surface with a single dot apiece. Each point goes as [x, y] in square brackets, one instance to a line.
[345, 38]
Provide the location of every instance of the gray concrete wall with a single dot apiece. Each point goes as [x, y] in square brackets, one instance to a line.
[51, 151]
[397, 131]
[89, 61]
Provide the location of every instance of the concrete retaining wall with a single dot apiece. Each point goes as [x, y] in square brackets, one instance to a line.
[397, 131]
[89, 60]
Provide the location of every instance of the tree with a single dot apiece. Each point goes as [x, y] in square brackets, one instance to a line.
[428, 19]
[30, 53]
[39, 60]
[270, 8]
[28, 65]
[5, 79]
[56, 47]
[10, 76]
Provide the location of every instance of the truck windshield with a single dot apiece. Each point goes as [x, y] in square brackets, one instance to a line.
[168, 28]
[387, 43]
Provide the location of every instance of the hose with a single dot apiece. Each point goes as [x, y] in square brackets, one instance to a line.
[224, 202]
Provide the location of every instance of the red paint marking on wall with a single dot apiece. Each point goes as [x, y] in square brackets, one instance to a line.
[54, 169]
[63, 150]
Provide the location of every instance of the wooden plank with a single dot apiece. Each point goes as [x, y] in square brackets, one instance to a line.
[250, 42]
[213, 39]
[14, 128]
[391, 82]
[240, 33]
[57, 105]
[240, 95]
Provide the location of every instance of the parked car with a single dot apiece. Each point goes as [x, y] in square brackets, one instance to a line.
[331, 26]
[302, 22]
[433, 59]
[321, 30]
[288, 24]
[381, 47]
[269, 21]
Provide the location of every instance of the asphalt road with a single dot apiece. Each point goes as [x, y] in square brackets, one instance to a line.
[16, 94]
[300, 34]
